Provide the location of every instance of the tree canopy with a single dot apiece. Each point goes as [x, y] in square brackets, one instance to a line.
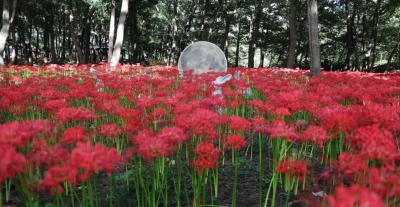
[353, 34]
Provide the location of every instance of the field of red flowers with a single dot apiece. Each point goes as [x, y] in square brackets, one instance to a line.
[87, 136]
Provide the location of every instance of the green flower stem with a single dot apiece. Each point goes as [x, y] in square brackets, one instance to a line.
[97, 189]
[179, 175]
[235, 178]
[111, 189]
[273, 184]
[137, 180]
[90, 192]
[84, 197]
[261, 170]
[60, 199]
[8, 188]
[215, 177]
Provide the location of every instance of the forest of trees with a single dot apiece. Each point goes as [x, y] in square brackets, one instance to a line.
[356, 35]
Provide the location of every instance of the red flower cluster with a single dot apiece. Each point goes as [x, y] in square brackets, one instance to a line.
[280, 129]
[74, 134]
[11, 162]
[235, 142]
[238, 124]
[207, 156]
[354, 196]
[150, 145]
[20, 134]
[109, 130]
[295, 168]
[93, 158]
[66, 114]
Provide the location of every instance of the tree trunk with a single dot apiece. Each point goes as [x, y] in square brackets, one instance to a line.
[174, 33]
[292, 35]
[6, 26]
[391, 57]
[120, 33]
[349, 35]
[205, 25]
[237, 46]
[355, 46]
[375, 33]
[52, 45]
[111, 32]
[396, 46]
[254, 34]
[63, 47]
[73, 37]
[88, 29]
[14, 54]
[315, 59]
[262, 56]
[224, 40]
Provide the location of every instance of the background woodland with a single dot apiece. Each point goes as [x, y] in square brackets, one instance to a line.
[362, 35]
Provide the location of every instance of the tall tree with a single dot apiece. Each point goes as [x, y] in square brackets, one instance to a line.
[88, 28]
[292, 34]
[255, 25]
[374, 34]
[174, 32]
[205, 26]
[120, 33]
[72, 31]
[111, 32]
[315, 56]
[6, 26]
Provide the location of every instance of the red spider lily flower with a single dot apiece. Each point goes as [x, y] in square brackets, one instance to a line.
[315, 134]
[207, 156]
[112, 107]
[235, 103]
[57, 175]
[235, 141]
[279, 129]
[132, 125]
[281, 112]
[374, 143]
[173, 135]
[258, 124]
[145, 102]
[93, 158]
[346, 168]
[354, 196]
[130, 114]
[237, 123]
[295, 168]
[55, 105]
[109, 130]
[20, 134]
[384, 182]
[150, 146]
[183, 108]
[11, 162]
[74, 134]
[157, 114]
[377, 114]
[256, 104]
[42, 154]
[169, 102]
[75, 114]
[337, 119]
[203, 123]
